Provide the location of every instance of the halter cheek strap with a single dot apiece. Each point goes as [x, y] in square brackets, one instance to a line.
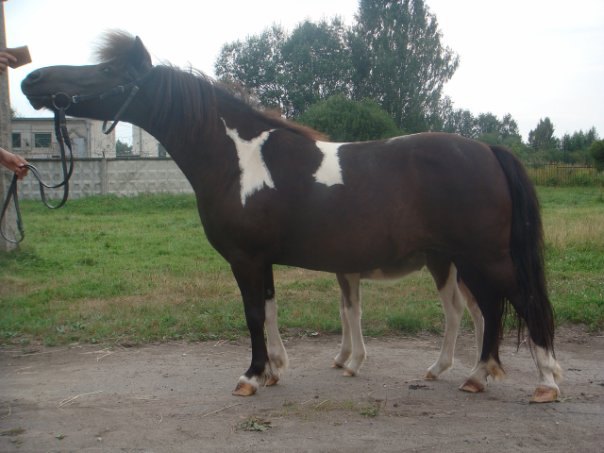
[134, 88]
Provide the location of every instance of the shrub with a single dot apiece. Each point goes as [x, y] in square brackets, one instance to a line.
[344, 120]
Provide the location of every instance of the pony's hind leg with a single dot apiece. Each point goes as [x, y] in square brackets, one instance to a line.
[490, 299]
[277, 355]
[476, 315]
[549, 374]
[541, 344]
[352, 353]
[453, 305]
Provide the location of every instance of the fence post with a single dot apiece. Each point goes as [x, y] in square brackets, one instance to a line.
[9, 221]
[104, 181]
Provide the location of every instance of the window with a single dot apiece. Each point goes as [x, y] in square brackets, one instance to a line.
[42, 140]
[16, 140]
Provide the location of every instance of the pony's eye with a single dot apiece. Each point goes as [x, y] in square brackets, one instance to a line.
[107, 70]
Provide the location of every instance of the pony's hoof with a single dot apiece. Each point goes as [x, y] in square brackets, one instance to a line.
[337, 365]
[244, 389]
[272, 381]
[472, 386]
[349, 373]
[430, 377]
[545, 394]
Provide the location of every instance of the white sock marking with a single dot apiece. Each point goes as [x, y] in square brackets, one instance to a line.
[254, 173]
[276, 351]
[453, 305]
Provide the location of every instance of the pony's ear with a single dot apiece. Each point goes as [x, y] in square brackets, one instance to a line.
[139, 56]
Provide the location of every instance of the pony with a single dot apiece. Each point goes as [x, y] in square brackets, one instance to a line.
[270, 192]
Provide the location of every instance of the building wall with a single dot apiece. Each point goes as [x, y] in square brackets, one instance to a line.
[122, 177]
[35, 138]
[144, 144]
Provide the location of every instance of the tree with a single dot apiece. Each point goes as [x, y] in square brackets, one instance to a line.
[400, 61]
[256, 64]
[291, 72]
[122, 149]
[575, 147]
[542, 137]
[318, 62]
[393, 55]
[455, 121]
[596, 151]
[487, 124]
[344, 120]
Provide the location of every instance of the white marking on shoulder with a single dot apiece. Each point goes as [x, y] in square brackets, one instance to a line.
[254, 173]
[330, 171]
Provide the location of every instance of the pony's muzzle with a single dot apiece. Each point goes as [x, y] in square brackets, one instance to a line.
[32, 78]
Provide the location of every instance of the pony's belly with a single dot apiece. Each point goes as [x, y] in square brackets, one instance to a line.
[400, 269]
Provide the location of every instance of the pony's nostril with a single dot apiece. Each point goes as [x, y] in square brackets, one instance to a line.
[33, 77]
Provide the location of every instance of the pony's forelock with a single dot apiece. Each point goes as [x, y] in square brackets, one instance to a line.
[113, 44]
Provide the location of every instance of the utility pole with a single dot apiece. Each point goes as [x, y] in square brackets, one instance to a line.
[8, 225]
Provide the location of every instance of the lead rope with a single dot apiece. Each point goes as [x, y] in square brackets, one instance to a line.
[64, 141]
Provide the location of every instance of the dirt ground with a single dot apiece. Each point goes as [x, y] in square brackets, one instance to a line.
[177, 398]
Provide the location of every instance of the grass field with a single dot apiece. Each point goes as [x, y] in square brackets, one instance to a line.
[131, 270]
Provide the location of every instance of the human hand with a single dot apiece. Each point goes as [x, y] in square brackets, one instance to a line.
[5, 60]
[14, 163]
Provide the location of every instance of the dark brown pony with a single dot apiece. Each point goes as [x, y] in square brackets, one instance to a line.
[270, 192]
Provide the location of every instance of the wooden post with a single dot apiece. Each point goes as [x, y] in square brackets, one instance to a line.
[9, 223]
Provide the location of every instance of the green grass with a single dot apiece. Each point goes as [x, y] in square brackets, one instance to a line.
[132, 270]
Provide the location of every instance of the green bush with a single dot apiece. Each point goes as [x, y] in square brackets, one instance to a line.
[344, 120]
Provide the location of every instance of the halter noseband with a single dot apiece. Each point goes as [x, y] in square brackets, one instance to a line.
[133, 87]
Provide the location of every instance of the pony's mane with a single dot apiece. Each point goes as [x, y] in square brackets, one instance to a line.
[191, 95]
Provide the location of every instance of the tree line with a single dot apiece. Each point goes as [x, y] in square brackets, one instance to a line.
[381, 77]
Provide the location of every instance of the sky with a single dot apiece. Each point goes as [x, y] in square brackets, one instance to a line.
[530, 58]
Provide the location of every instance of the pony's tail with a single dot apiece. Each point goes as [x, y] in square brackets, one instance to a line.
[526, 248]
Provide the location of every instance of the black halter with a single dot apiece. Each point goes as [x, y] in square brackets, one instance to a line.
[61, 102]
[120, 89]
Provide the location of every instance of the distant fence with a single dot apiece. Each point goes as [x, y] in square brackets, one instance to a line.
[123, 177]
[553, 174]
[127, 177]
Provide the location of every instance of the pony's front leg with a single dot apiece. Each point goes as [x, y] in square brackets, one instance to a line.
[250, 279]
[277, 355]
[340, 360]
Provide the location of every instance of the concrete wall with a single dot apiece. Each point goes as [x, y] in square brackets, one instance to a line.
[123, 177]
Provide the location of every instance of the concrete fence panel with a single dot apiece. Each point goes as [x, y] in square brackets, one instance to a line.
[122, 177]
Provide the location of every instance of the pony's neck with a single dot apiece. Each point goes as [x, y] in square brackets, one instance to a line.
[177, 108]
